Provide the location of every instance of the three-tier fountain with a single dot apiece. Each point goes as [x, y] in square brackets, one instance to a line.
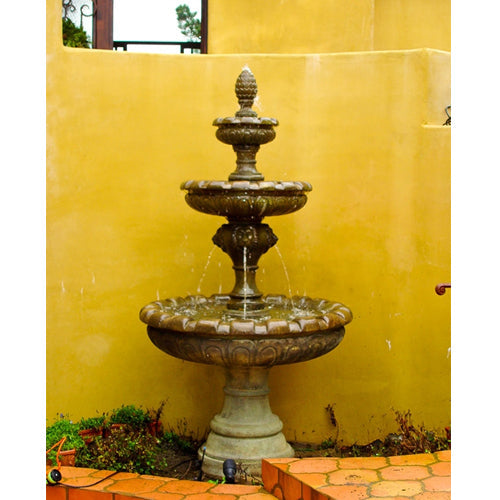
[244, 331]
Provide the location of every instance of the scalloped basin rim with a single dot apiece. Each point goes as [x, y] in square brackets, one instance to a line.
[239, 185]
[202, 316]
[246, 120]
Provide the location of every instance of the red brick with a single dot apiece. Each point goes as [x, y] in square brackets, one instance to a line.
[269, 475]
[291, 487]
[83, 494]
[56, 493]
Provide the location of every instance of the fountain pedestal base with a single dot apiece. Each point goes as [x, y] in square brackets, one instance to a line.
[246, 429]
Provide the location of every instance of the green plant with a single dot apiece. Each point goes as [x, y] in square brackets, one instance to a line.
[155, 413]
[123, 450]
[63, 427]
[73, 36]
[183, 438]
[417, 439]
[133, 416]
[93, 423]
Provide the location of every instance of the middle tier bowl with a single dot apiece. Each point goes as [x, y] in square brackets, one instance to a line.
[246, 200]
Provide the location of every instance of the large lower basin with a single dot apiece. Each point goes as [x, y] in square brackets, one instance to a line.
[201, 329]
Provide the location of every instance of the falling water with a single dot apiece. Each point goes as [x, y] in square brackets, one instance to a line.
[198, 290]
[285, 270]
[220, 276]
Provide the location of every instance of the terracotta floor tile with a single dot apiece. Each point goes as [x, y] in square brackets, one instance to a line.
[282, 466]
[210, 496]
[235, 489]
[125, 475]
[76, 471]
[81, 482]
[444, 455]
[256, 496]
[402, 472]
[441, 469]
[154, 495]
[185, 487]
[315, 479]
[362, 463]
[421, 459]
[391, 498]
[102, 485]
[353, 476]
[102, 473]
[438, 483]
[346, 492]
[136, 485]
[282, 460]
[148, 476]
[314, 465]
[396, 488]
[433, 496]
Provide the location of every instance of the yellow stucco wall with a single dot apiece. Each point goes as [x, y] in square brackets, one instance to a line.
[124, 130]
[302, 26]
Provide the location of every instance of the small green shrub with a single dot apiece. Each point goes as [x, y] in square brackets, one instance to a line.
[94, 423]
[417, 439]
[133, 416]
[123, 450]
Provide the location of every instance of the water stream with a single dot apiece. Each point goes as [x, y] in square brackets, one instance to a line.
[203, 274]
[285, 271]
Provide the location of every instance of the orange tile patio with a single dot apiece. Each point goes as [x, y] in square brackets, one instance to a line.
[417, 477]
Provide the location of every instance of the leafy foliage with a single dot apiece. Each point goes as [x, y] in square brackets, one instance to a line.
[417, 439]
[133, 416]
[73, 36]
[188, 24]
[124, 450]
[63, 427]
[94, 423]
[410, 439]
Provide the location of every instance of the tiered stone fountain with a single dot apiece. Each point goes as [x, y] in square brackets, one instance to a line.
[243, 331]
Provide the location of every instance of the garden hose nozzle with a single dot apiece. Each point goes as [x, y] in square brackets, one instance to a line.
[53, 477]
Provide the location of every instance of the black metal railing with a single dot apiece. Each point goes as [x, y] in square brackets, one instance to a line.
[123, 44]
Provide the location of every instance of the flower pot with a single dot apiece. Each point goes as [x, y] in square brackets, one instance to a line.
[88, 435]
[67, 458]
[106, 431]
[154, 428]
